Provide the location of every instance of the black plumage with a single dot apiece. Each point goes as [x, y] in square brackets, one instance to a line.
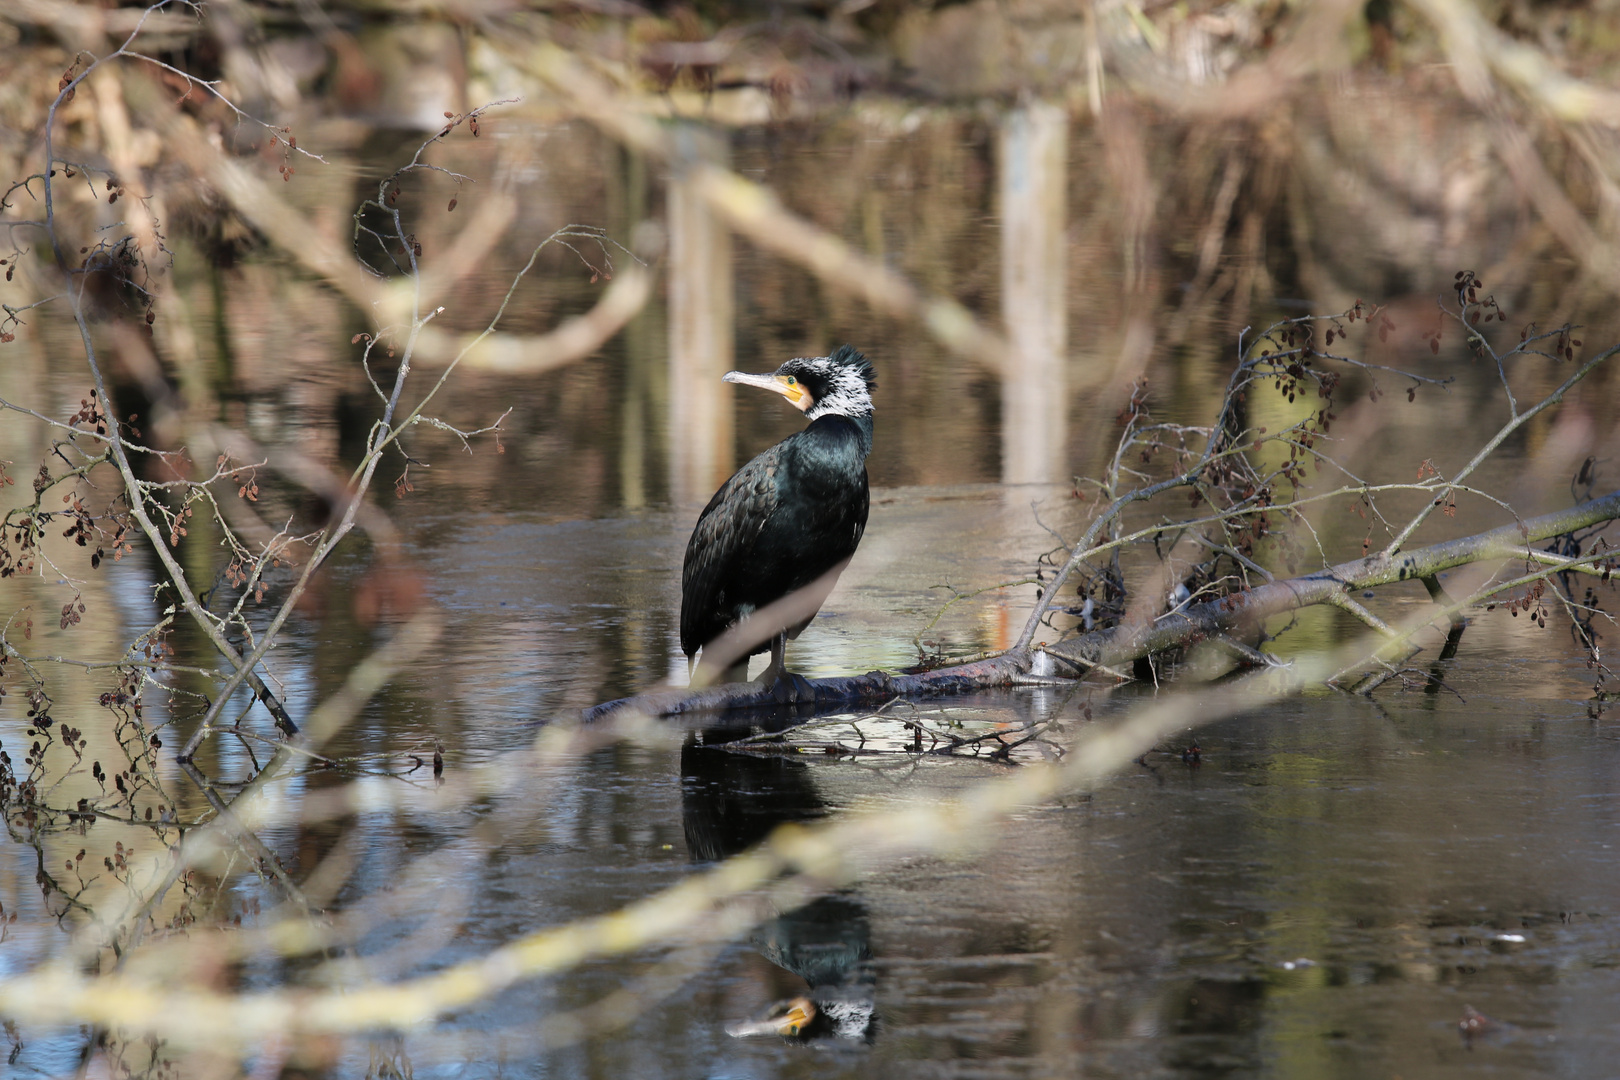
[788, 520]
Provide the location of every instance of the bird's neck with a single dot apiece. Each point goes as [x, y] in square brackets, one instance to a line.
[864, 426]
[862, 422]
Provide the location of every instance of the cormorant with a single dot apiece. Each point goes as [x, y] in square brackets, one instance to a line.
[788, 520]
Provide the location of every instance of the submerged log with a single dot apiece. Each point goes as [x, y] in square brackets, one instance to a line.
[1239, 614]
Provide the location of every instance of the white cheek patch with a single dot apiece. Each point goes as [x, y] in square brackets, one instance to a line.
[840, 402]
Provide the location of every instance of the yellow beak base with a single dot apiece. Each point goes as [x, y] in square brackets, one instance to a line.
[785, 385]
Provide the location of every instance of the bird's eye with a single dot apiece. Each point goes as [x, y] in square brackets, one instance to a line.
[792, 381]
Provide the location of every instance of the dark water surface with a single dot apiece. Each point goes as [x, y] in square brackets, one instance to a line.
[1323, 894]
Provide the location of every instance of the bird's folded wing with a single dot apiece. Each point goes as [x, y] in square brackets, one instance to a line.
[724, 535]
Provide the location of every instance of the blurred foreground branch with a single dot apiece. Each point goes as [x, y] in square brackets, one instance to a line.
[795, 864]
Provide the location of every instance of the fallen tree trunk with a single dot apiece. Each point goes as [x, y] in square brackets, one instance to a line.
[1240, 614]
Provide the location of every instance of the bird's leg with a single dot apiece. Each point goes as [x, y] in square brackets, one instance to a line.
[778, 668]
[786, 687]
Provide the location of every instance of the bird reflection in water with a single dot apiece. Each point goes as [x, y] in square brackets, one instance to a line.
[731, 802]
